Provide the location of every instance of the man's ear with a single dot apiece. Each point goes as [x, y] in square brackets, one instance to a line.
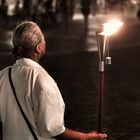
[39, 48]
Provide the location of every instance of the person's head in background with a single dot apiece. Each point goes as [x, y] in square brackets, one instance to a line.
[28, 41]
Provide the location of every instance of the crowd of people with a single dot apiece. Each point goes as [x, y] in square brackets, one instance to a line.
[53, 11]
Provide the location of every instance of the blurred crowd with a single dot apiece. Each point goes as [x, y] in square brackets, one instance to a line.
[53, 11]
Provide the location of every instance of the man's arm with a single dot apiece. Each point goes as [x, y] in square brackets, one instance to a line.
[69, 134]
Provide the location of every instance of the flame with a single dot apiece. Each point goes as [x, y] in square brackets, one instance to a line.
[111, 27]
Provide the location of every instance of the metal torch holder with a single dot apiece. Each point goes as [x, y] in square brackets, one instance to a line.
[104, 58]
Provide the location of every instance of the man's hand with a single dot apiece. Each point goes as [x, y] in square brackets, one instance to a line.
[96, 136]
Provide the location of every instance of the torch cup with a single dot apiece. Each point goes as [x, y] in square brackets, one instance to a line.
[103, 49]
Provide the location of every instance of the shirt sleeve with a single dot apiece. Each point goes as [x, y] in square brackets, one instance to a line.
[48, 107]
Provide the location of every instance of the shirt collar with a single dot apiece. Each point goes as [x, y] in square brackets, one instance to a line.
[26, 62]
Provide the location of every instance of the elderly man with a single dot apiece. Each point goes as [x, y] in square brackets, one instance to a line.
[36, 92]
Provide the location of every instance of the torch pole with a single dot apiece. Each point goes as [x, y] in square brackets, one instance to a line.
[102, 42]
[101, 94]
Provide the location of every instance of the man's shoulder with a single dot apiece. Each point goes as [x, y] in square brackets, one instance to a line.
[4, 71]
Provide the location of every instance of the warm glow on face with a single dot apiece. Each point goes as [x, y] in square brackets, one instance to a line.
[111, 27]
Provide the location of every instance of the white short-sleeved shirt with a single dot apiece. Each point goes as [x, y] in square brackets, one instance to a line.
[39, 97]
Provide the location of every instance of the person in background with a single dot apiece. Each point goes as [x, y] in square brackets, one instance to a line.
[36, 91]
[4, 10]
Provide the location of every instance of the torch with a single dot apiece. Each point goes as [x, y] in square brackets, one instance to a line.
[103, 48]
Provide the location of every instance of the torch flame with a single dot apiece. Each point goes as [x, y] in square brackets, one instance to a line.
[111, 27]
